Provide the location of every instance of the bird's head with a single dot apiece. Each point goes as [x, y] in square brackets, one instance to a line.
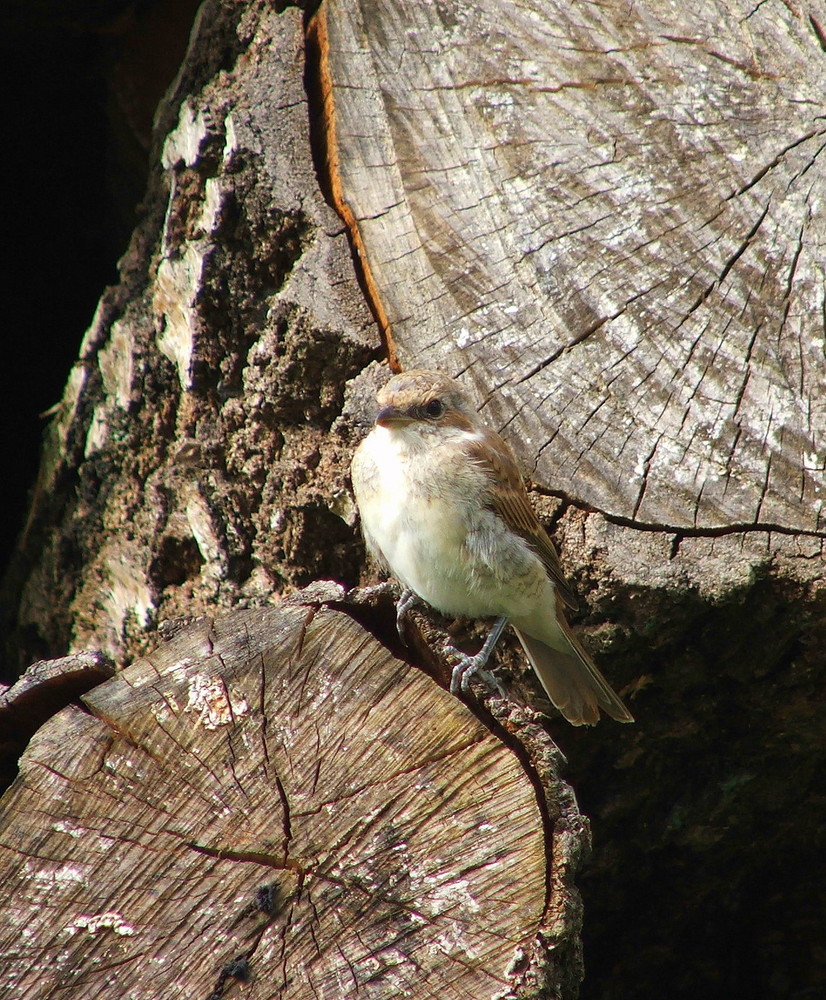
[425, 402]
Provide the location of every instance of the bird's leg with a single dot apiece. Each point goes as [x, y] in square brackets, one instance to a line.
[470, 665]
[406, 601]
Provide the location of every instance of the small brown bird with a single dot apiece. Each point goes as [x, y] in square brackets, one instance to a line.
[443, 506]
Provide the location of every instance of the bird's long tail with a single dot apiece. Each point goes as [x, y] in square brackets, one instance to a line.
[573, 681]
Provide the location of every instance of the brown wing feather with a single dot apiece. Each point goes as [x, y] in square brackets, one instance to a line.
[509, 499]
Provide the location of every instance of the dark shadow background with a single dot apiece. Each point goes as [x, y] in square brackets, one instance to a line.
[80, 82]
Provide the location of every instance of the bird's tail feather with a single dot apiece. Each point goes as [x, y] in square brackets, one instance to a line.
[573, 682]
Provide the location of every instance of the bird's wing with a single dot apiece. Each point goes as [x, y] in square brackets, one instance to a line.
[509, 499]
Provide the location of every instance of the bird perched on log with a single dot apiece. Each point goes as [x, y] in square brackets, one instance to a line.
[444, 508]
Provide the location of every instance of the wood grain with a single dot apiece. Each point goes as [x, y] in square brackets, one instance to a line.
[609, 216]
[270, 802]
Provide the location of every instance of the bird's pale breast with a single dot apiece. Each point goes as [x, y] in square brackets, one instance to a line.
[424, 508]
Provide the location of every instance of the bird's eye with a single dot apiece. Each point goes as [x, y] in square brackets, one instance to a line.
[434, 408]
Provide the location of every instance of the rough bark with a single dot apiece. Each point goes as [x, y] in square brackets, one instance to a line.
[191, 464]
[197, 461]
[606, 219]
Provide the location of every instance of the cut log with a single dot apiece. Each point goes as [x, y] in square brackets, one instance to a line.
[272, 800]
[607, 216]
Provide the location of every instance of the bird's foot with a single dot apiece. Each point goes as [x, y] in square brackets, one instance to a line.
[468, 667]
[407, 600]
[473, 666]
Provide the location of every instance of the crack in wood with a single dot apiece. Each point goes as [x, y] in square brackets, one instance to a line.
[765, 485]
[646, 465]
[531, 84]
[281, 863]
[818, 30]
[262, 705]
[742, 390]
[589, 331]
[324, 143]
[775, 162]
[286, 821]
[698, 531]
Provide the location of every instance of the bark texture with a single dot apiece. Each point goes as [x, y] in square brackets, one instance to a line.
[608, 221]
[190, 464]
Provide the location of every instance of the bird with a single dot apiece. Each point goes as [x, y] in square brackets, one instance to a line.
[445, 510]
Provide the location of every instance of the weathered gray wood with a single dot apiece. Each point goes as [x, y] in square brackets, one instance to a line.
[609, 216]
[274, 790]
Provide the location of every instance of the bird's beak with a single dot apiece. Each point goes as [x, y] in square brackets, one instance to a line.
[389, 416]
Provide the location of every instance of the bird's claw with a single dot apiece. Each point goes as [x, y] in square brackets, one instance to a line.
[406, 602]
[471, 666]
[468, 667]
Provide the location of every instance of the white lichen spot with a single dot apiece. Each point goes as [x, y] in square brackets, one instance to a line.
[212, 206]
[171, 702]
[504, 99]
[177, 286]
[343, 505]
[454, 941]
[165, 710]
[64, 422]
[463, 338]
[186, 141]
[61, 826]
[116, 364]
[98, 433]
[516, 962]
[128, 593]
[180, 668]
[57, 875]
[201, 524]
[211, 700]
[453, 896]
[92, 923]
[231, 139]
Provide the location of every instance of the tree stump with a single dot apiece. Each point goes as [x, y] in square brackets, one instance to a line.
[272, 804]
